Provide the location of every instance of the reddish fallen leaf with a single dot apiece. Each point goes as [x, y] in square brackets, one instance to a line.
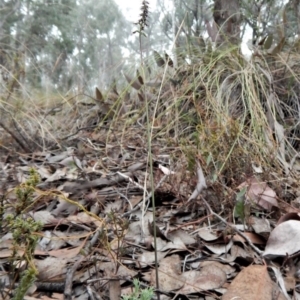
[208, 278]
[169, 273]
[254, 238]
[66, 253]
[51, 268]
[253, 283]
[260, 193]
[114, 289]
[289, 216]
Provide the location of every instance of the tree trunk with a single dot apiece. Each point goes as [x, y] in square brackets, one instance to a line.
[228, 18]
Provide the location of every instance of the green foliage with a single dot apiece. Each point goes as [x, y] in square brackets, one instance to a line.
[139, 293]
[24, 199]
[24, 235]
[25, 192]
[23, 231]
[51, 42]
[61, 43]
[36, 34]
[239, 209]
[27, 279]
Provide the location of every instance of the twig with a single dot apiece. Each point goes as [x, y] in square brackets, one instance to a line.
[84, 128]
[138, 206]
[201, 184]
[190, 223]
[259, 252]
[69, 280]
[116, 278]
[14, 136]
[93, 295]
[133, 182]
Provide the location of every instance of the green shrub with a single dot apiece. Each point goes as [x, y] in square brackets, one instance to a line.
[139, 293]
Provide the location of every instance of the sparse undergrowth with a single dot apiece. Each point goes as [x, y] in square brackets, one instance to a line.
[24, 231]
[139, 293]
[237, 118]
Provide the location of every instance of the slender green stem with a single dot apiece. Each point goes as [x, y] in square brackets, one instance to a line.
[149, 135]
[142, 23]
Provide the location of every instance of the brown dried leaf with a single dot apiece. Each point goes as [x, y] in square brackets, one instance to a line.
[208, 278]
[84, 218]
[207, 235]
[225, 267]
[51, 268]
[123, 271]
[158, 59]
[252, 283]
[59, 174]
[64, 205]
[260, 193]
[254, 238]
[66, 253]
[176, 244]
[133, 82]
[219, 248]
[139, 77]
[262, 41]
[289, 216]
[44, 216]
[99, 96]
[237, 251]
[259, 225]
[169, 273]
[284, 239]
[141, 98]
[114, 289]
[169, 60]
[185, 238]
[159, 233]
[147, 258]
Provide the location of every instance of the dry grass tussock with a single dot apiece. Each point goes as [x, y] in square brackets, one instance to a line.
[230, 112]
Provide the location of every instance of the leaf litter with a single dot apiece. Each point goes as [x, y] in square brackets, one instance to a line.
[97, 217]
[113, 250]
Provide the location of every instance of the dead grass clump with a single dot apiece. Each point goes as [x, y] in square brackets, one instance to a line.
[232, 112]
